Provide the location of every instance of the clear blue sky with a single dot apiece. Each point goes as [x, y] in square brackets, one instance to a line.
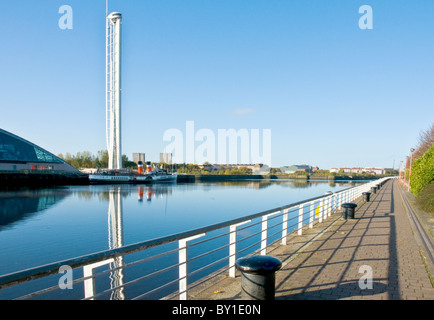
[332, 94]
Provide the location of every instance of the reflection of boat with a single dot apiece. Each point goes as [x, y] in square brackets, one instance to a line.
[131, 176]
[154, 191]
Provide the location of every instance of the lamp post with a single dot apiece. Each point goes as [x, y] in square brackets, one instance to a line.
[400, 172]
[409, 174]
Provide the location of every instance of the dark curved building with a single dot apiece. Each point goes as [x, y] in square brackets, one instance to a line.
[21, 160]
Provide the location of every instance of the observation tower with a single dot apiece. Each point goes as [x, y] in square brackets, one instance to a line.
[113, 89]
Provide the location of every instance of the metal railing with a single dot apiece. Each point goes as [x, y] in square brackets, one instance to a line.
[170, 266]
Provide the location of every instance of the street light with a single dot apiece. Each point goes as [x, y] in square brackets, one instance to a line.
[400, 172]
[409, 174]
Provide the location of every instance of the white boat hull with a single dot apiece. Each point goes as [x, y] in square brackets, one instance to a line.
[151, 178]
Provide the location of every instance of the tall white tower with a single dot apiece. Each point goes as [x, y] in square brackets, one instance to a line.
[113, 89]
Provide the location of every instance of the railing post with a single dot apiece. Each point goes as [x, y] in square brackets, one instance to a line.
[284, 226]
[89, 284]
[311, 213]
[300, 219]
[341, 199]
[335, 202]
[327, 205]
[183, 265]
[233, 247]
[321, 210]
[264, 233]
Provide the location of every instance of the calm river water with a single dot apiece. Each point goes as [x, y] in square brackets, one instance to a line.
[48, 225]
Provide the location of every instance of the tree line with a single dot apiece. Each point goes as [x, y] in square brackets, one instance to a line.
[85, 159]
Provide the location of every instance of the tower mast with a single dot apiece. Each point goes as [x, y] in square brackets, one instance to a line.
[113, 89]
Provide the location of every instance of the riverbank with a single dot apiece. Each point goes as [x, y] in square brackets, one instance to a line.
[14, 179]
[39, 179]
[215, 177]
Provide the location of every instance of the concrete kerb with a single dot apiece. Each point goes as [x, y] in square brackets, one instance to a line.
[421, 229]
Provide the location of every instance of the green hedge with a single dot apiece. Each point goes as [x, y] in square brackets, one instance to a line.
[422, 171]
[425, 199]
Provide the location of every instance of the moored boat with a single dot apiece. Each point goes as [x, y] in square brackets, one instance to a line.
[131, 176]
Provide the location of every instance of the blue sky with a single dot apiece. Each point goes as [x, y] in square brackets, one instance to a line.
[332, 94]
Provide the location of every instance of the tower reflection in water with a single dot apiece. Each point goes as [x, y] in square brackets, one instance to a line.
[115, 240]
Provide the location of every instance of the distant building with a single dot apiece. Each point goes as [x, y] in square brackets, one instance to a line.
[288, 169]
[359, 170]
[352, 170]
[166, 158]
[375, 170]
[261, 169]
[298, 168]
[138, 157]
[18, 155]
[208, 167]
[258, 168]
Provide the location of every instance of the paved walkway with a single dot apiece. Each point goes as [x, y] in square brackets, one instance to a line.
[340, 254]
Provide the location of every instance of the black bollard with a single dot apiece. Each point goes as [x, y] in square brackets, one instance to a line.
[258, 276]
[374, 189]
[366, 196]
[349, 209]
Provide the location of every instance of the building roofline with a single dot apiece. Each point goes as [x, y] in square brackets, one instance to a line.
[33, 145]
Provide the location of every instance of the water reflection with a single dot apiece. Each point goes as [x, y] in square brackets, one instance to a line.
[115, 195]
[154, 191]
[16, 206]
[115, 240]
[290, 183]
